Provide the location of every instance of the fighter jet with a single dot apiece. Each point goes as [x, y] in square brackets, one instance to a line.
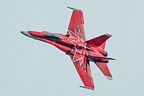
[80, 50]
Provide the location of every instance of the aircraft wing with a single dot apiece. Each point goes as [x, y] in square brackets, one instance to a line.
[76, 24]
[83, 68]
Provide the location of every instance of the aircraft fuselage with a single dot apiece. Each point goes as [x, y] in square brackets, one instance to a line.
[68, 44]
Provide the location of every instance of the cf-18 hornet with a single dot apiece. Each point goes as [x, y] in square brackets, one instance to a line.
[80, 50]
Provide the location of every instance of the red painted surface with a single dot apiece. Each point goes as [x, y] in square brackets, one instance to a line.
[81, 51]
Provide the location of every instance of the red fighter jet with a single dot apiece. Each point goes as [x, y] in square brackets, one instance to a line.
[80, 50]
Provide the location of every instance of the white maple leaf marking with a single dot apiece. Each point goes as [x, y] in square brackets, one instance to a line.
[79, 47]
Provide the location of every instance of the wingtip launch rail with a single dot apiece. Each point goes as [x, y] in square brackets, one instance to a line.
[87, 87]
[74, 8]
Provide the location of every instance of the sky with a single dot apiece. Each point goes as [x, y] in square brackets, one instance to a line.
[32, 68]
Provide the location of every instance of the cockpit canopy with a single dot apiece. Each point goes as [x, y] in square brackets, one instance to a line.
[52, 36]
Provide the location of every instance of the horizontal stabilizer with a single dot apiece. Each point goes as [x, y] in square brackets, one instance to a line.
[104, 69]
[86, 87]
[95, 42]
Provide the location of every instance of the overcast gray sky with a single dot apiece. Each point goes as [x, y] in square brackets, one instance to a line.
[32, 68]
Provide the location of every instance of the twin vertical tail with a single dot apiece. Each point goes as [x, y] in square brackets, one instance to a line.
[101, 42]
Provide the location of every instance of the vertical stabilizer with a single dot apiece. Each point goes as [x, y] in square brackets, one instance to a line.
[98, 41]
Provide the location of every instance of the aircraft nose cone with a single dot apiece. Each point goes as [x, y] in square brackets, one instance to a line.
[25, 33]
